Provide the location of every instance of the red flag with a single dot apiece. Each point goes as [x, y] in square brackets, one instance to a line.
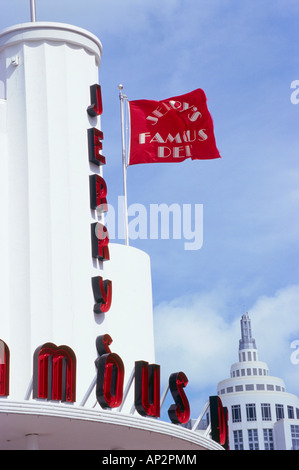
[172, 130]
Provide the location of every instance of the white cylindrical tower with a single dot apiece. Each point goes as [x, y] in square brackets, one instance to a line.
[46, 71]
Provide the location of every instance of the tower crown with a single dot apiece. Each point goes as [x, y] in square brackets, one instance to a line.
[246, 341]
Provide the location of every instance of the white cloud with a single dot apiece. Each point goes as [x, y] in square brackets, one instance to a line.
[193, 335]
[275, 320]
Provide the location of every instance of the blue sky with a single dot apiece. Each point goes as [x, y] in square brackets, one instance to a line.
[245, 57]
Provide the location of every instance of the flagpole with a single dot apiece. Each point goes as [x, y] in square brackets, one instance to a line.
[32, 10]
[122, 97]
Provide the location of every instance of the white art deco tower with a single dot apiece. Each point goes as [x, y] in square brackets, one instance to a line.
[46, 296]
[262, 415]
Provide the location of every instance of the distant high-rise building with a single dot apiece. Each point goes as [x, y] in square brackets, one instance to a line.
[262, 415]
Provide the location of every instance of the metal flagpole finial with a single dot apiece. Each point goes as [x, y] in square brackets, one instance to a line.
[120, 87]
[121, 95]
[32, 10]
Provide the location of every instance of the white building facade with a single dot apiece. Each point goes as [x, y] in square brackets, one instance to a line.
[262, 415]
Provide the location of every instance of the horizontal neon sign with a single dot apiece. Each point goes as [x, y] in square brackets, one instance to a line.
[54, 378]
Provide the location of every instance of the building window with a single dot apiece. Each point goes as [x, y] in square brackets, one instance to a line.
[260, 387]
[266, 411]
[268, 439]
[253, 439]
[238, 440]
[291, 412]
[295, 436]
[279, 412]
[249, 387]
[250, 412]
[236, 413]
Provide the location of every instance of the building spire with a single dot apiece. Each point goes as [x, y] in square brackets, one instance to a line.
[246, 341]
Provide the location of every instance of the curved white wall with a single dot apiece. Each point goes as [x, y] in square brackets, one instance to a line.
[45, 244]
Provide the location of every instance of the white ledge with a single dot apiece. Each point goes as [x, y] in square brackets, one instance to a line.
[70, 427]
